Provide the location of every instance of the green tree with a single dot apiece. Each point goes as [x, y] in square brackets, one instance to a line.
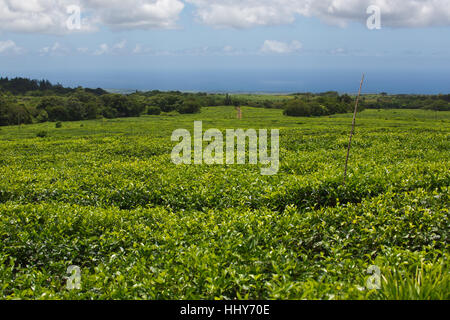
[228, 100]
[57, 113]
[189, 106]
[153, 110]
[4, 111]
[75, 110]
[438, 105]
[297, 108]
[318, 109]
[42, 116]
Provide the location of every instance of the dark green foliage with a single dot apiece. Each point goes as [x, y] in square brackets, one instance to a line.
[318, 110]
[75, 110]
[318, 105]
[118, 105]
[53, 101]
[153, 110]
[4, 110]
[402, 101]
[345, 99]
[42, 116]
[189, 106]
[39, 87]
[92, 110]
[42, 134]
[166, 102]
[55, 107]
[228, 100]
[182, 102]
[268, 104]
[438, 105]
[58, 113]
[12, 113]
[297, 108]
[97, 92]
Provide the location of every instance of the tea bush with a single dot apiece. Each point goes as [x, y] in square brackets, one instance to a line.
[106, 197]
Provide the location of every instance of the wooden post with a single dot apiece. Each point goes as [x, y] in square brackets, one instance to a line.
[353, 129]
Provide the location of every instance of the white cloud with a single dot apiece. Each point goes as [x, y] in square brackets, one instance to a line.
[231, 51]
[38, 16]
[51, 16]
[279, 47]
[116, 48]
[241, 14]
[338, 52]
[139, 49]
[103, 48]
[251, 13]
[55, 50]
[83, 50]
[228, 49]
[120, 45]
[9, 46]
[136, 14]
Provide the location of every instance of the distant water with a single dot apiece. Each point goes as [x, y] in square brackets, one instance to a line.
[273, 81]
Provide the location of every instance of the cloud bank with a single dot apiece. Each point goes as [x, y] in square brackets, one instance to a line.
[252, 13]
[50, 16]
[279, 47]
[9, 46]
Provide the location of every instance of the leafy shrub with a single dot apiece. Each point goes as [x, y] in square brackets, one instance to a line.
[439, 105]
[142, 228]
[153, 110]
[297, 108]
[189, 106]
[42, 116]
[42, 134]
[58, 124]
[321, 106]
[58, 113]
[318, 109]
[12, 113]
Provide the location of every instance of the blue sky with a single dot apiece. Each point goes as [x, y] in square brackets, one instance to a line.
[228, 45]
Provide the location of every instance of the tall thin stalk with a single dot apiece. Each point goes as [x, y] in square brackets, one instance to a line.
[353, 129]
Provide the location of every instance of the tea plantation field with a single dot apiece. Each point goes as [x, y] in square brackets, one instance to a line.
[104, 195]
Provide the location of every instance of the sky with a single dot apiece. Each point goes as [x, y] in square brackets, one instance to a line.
[230, 45]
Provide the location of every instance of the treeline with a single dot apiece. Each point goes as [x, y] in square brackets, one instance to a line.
[29, 87]
[303, 104]
[182, 102]
[79, 105]
[83, 105]
[24, 101]
[328, 103]
[439, 102]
